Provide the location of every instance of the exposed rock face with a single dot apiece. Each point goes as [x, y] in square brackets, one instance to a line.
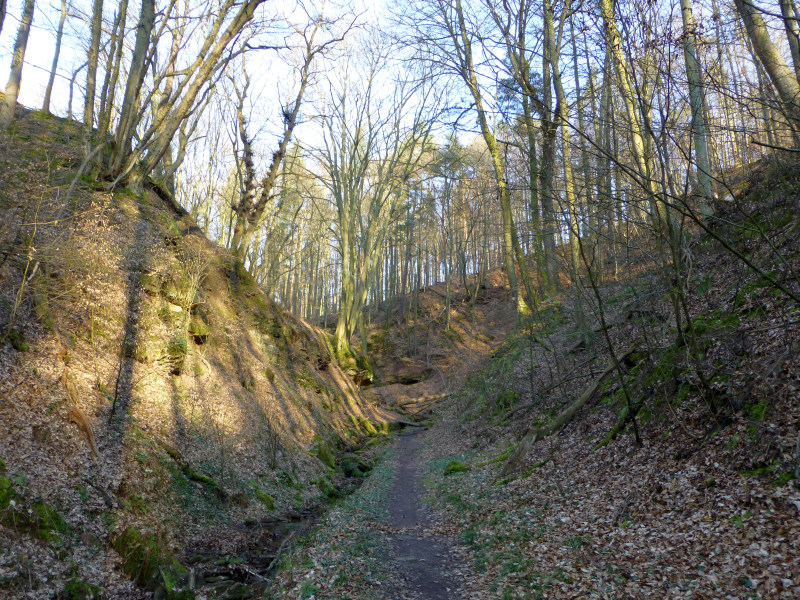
[405, 371]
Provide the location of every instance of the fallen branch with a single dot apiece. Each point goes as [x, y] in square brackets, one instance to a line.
[565, 417]
[420, 400]
[620, 425]
[190, 472]
[523, 407]
[77, 416]
[425, 406]
[278, 554]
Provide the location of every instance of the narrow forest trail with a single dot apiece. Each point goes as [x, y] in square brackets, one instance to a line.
[423, 564]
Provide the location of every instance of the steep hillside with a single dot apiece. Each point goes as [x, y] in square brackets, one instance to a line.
[154, 403]
[555, 503]
[422, 355]
[532, 472]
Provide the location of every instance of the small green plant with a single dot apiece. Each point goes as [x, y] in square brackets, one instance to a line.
[17, 339]
[507, 399]
[738, 520]
[77, 589]
[325, 454]
[308, 589]
[264, 497]
[455, 466]
[758, 411]
[783, 479]
[574, 542]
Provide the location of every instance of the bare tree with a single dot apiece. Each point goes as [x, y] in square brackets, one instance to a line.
[91, 75]
[2, 14]
[9, 106]
[59, 35]
[697, 100]
[372, 145]
[781, 76]
[249, 211]
[132, 163]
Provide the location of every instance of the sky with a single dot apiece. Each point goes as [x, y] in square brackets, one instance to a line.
[39, 54]
[41, 46]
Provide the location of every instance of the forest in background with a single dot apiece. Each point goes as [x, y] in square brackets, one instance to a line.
[351, 153]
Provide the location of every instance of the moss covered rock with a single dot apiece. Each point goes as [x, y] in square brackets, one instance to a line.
[327, 488]
[199, 330]
[176, 352]
[267, 500]
[150, 565]
[325, 454]
[455, 466]
[38, 520]
[354, 466]
[17, 339]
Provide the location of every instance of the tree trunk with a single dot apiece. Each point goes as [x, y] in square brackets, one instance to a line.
[9, 106]
[697, 101]
[156, 140]
[112, 73]
[91, 76]
[549, 131]
[573, 217]
[2, 14]
[784, 80]
[128, 115]
[59, 35]
[644, 178]
[790, 24]
[510, 239]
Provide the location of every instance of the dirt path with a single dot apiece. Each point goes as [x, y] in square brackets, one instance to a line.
[424, 565]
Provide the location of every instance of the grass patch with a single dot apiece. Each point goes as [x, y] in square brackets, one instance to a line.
[455, 466]
[344, 553]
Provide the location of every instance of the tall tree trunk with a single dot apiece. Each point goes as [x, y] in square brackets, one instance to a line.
[533, 181]
[766, 109]
[639, 144]
[784, 80]
[91, 76]
[59, 35]
[9, 106]
[573, 218]
[790, 24]
[109, 90]
[2, 14]
[512, 249]
[697, 101]
[128, 115]
[583, 135]
[604, 194]
[134, 168]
